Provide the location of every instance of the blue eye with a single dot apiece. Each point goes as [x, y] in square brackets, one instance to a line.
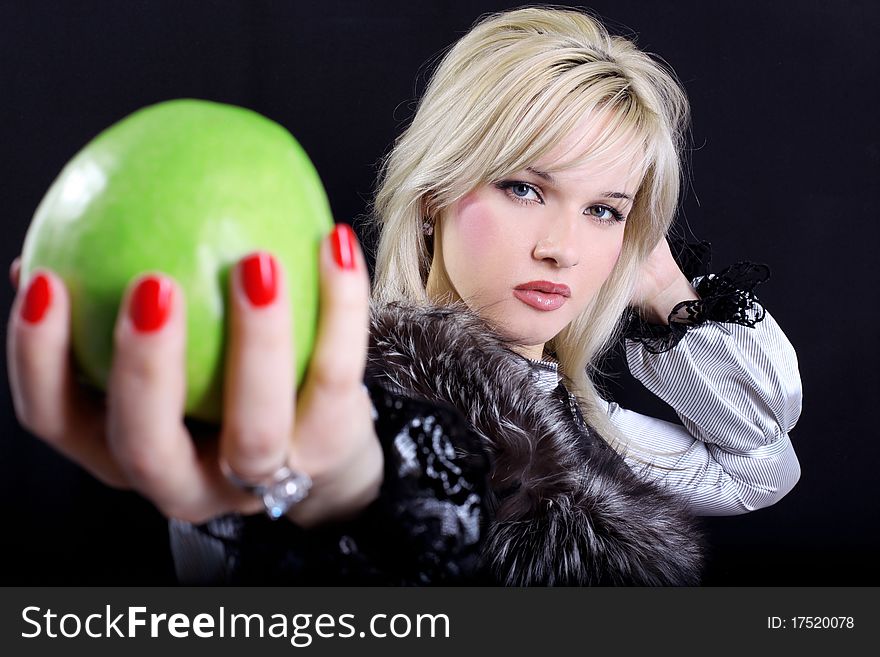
[520, 192]
[605, 214]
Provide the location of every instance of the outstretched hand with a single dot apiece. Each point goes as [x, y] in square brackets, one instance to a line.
[136, 438]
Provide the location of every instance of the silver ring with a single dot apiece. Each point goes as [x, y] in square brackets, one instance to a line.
[287, 487]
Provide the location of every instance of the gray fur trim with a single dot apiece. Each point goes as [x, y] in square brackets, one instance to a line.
[567, 510]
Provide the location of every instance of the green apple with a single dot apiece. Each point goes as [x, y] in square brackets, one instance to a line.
[187, 188]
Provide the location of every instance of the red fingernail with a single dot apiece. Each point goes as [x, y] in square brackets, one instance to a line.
[259, 277]
[150, 304]
[37, 299]
[343, 240]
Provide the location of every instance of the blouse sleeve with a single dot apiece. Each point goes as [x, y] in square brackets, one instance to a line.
[737, 390]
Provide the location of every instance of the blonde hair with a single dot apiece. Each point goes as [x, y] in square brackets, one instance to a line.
[504, 95]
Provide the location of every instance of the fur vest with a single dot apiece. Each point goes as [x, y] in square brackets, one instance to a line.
[561, 507]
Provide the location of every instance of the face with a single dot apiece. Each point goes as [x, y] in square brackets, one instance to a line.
[529, 252]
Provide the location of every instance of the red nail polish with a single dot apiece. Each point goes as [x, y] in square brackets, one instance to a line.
[150, 304]
[259, 277]
[343, 240]
[37, 299]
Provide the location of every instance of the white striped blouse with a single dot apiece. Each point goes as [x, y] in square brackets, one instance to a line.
[737, 391]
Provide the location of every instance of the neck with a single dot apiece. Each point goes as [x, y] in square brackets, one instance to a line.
[531, 352]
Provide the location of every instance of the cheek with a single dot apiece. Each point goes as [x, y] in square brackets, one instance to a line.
[614, 254]
[602, 256]
[471, 235]
[611, 252]
[475, 222]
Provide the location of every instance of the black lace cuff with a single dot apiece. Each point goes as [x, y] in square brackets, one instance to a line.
[426, 527]
[727, 296]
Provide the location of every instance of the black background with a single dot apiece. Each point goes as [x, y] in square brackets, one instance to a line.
[784, 170]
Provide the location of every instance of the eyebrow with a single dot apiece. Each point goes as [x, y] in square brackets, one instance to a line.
[550, 179]
[617, 195]
[541, 174]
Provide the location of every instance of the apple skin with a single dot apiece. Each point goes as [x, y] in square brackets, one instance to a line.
[187, 188]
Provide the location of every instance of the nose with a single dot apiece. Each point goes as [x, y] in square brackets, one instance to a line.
[558, 246]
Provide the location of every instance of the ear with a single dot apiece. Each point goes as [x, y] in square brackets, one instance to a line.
[429, 213]
[429, 206]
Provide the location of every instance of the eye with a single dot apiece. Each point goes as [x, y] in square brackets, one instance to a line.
[605, 214]
[521, 192]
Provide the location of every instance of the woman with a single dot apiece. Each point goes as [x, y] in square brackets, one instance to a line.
[556, 77]
[522, 212]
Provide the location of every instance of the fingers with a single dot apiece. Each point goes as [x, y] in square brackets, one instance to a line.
[15, 272]
[334, 381]
[334, 437]
[334, 442]
[339, 359]
[48, 402]
[147, 445]
[146, 396]
[260, 381]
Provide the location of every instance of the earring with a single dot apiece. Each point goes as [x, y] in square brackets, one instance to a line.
[428, 226]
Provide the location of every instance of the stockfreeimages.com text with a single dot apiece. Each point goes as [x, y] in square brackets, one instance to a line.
[300, 629]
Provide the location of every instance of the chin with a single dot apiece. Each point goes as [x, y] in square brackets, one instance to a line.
[525, 326]
[528, 336]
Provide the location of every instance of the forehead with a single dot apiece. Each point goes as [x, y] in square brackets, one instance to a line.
[598, 149]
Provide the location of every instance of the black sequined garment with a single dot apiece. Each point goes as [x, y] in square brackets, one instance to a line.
[426, 527]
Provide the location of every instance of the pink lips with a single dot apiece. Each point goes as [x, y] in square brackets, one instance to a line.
[542, 295]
